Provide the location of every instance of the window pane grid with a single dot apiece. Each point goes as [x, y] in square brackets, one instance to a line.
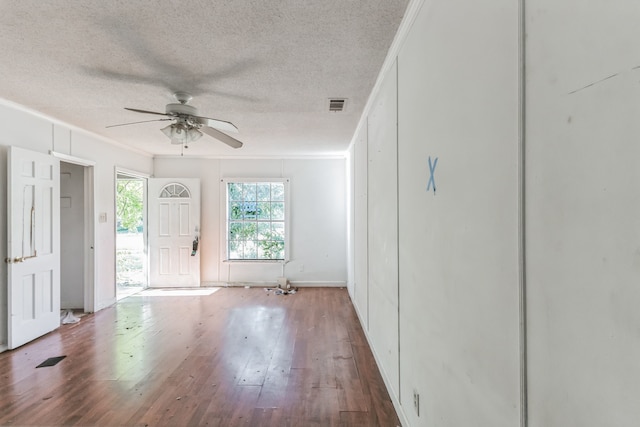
[256, 220]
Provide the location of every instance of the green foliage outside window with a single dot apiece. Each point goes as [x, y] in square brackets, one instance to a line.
[129, 204]
[256, 223]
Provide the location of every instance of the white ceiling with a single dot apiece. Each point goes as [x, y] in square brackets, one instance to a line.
[267, 66]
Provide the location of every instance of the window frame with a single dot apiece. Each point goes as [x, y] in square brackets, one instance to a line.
[225, 218]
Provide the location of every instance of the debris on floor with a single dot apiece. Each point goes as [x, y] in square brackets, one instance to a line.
[68, 317]
[279, 291]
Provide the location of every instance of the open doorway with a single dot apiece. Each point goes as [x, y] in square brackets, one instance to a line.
[131, 257]
[76, 231]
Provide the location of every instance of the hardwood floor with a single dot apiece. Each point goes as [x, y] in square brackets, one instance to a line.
[237, 357]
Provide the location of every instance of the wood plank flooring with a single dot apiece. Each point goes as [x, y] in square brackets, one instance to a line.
[237, 357]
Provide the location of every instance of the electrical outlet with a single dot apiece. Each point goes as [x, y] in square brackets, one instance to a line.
[301, 268]
[416, 402]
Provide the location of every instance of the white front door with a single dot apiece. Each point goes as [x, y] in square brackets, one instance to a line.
[174, 224]
[33, 238]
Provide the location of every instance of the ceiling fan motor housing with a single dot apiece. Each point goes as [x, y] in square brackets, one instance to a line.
[181, 109]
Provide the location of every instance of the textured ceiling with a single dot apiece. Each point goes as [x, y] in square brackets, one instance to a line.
[267, 66]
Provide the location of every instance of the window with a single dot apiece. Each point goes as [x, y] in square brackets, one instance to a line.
[257, 219]
[174, 190]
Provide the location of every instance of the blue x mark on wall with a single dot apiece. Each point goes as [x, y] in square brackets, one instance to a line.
[432, 179]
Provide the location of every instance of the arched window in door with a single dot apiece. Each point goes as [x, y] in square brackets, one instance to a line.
[175, 191]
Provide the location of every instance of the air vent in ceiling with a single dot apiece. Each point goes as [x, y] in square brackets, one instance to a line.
[337, 105]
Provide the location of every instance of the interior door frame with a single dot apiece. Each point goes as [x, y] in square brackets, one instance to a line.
[145, 235]
[89, 228]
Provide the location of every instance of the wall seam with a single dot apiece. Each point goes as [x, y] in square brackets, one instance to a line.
[524, 409]
[354, 212]
[366, 153]
[398, 217]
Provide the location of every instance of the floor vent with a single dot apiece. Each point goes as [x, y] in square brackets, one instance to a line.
[52, 361]
[336, 105]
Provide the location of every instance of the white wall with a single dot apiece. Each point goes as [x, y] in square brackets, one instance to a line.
[583, 212]
[458, 301]
[318, 218]
[360, 231]
[350, 169]
[382, 228]
[35, 132]
[459, 320]
[458, 100]
[71, 236]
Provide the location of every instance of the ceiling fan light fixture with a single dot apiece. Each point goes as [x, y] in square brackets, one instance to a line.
[193, 134]
[178, 133]
[172, 131]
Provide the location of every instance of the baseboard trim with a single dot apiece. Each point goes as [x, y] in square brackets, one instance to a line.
[394, 399]
[314, 284]
[106, 303]
[298, 284]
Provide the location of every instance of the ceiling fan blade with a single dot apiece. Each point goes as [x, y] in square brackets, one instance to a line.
[215, 133]
[135, 123]
[145, 111]
[218, 124]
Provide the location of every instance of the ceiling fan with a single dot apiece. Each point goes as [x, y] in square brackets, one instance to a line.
[187, 125]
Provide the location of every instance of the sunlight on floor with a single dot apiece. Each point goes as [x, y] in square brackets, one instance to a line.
[176, 292]
[127, 291]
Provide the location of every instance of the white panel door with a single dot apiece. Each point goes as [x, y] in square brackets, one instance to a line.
[33, 253]
[174, 224]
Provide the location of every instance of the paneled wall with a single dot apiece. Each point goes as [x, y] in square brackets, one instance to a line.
[382, 227]
[516, 180]
[359, 202]
[440, 159]
[459, 320]
[583, 212]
